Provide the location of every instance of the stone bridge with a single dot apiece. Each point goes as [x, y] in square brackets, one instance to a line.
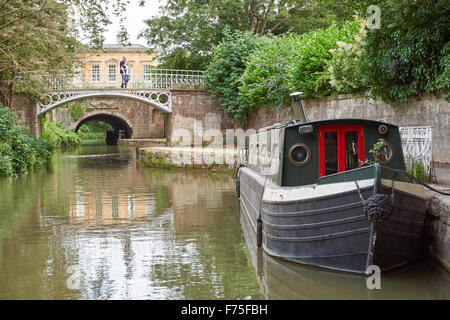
[153, 105]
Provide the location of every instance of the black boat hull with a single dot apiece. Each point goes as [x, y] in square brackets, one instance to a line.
[325, 225]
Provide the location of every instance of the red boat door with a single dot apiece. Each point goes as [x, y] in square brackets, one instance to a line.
[340, 148]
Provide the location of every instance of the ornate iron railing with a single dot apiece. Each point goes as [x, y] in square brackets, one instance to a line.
[162, 99]
[417, 145]
[158, 79]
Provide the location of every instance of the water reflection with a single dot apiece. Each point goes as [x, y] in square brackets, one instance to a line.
[283, 280]
[123, 231]
[128, 232]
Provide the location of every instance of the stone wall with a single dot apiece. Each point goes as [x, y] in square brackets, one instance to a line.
[431, 110]
[27, 113]
[195, 112]
[438, 227]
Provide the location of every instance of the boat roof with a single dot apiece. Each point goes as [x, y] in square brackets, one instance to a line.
[299, 122]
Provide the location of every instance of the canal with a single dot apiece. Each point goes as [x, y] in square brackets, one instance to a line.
[97, 225]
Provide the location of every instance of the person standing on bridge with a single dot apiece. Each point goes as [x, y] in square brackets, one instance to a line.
[124, 72]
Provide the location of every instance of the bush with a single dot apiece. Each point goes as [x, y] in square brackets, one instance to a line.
[263, 81]
[57, 136]
[416, 169]
[309, 72]
[19, 151]
[282, 65]
[346, 68]
[225, 70]
[408, 55]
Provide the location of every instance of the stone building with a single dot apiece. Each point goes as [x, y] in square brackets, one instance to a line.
[101, 68]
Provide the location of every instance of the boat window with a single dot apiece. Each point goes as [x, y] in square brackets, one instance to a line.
[331, 152]
[299, 154]
[351, 150]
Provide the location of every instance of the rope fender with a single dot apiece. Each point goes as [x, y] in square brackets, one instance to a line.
[379, 206]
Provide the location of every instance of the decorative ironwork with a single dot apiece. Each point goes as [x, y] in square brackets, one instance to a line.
[150, 86]
[158, 79]
[160, 99]
[417, 145]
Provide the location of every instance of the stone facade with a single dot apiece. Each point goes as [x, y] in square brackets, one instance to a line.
[431, 110]
[145, 120]
[103, 66]
[194, 112]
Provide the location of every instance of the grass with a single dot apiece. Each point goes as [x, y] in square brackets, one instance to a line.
[417, 169]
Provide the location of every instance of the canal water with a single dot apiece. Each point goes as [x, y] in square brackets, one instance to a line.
[97, 225]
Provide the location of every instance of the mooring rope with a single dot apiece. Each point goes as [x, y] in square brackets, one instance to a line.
[379, 206]
[422, 183]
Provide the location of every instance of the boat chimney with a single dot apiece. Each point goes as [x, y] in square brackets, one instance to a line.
[297, 106]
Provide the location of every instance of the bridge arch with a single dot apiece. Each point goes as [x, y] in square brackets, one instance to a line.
[115, 119]
[161, 100]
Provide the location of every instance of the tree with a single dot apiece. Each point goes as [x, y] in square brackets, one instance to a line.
[191, 28]
[34, 38]
[41, 37]
[409, 54]
[92, 18]
[223, 76]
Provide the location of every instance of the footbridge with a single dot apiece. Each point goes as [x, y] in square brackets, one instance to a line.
[152, 87]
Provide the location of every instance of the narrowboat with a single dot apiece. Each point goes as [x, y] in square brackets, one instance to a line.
[332, 194]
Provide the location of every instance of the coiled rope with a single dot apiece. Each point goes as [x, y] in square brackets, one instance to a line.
[379, 206]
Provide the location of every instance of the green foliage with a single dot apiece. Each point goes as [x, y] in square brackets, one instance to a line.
[35, 38]
[309, 72]
[76, 110]
[57, 136]
[92, 135]
[377, 149]
[417, 169]
[408, 55]
[185, 31]
[376, 152]
[94, 132]
[40, 37]
[443, 80]
[264, 79]
[346, 68]
[282, 65]
[156, 161]
[225, 70]
[94, 127]
[19, 151]
[181, 60]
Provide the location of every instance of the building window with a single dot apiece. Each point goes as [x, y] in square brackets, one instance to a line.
[95, 72]
[112, 72]
[130, 72]
[147, 72]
